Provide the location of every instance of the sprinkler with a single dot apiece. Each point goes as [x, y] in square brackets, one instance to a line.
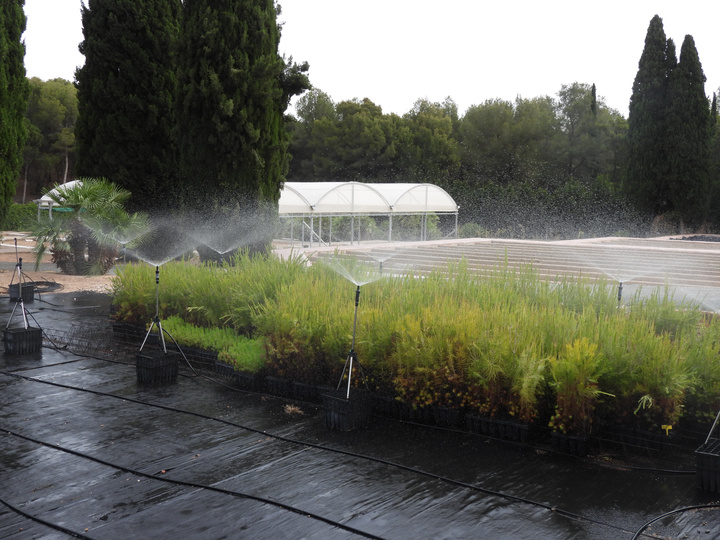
[156, 321]
[352, 355]
[19, 301]
[619, 292]
[26, 339]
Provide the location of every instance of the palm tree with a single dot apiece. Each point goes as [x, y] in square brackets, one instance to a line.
[88, 223]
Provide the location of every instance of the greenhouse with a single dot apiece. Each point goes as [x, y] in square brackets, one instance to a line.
[316, 203]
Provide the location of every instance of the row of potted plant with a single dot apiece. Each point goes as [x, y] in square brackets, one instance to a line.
[501, 344]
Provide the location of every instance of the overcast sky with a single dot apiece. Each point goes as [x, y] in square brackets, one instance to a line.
[397, 51]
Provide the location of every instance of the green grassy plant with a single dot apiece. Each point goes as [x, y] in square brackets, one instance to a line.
[497, 342]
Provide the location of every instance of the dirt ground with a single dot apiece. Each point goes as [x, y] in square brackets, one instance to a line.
[8, 269]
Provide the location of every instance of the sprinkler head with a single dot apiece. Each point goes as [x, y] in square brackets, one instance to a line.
[157, 275]
[620, 291]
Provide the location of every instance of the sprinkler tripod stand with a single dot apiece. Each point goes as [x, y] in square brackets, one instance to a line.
[352, 355]
[26, 339]
[341, 412]
[161, 331]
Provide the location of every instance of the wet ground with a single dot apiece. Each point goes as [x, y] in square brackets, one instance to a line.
[87, 452]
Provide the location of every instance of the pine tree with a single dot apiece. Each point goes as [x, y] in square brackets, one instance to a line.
[646, 120]
[125, 95]
[14, 92]
[233, 90]
[688, 135]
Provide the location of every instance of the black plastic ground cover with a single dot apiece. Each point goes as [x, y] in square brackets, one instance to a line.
[66, 454]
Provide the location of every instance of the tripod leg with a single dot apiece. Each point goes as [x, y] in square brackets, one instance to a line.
[347, 361]
[152, 325]
[181, 352]
[162, 337]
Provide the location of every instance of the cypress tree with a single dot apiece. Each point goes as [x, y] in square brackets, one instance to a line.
[688, 135]
[233, 90]
[14, 92]
[125, 95]
[646, 120]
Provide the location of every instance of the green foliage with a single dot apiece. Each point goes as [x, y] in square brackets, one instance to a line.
[233, 90]
[243, 353]
[125, 95]
[500, 342]
[688, 137]
[20, 217]
[13, 99]
[77, 237]
[52, 113]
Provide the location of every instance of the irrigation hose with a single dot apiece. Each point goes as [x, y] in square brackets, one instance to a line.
[465, 485]
[195, 485]
[670, 513]
[43, 521]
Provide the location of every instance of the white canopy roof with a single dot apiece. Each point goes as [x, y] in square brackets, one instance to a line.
[323, 198]
[46, 200]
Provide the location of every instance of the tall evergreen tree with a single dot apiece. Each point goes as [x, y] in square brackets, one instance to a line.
[14, 91]
[646, 121]
[233, 92]
[688, 135]
[125, 95]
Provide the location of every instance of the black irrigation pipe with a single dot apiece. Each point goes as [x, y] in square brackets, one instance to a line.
[670, 513]
[195, 485]
[43, 521]
[458, 483]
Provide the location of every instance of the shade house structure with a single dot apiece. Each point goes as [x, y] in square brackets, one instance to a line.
[46, 202]
[315, 201]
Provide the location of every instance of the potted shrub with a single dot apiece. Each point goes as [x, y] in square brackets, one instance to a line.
[575, 373]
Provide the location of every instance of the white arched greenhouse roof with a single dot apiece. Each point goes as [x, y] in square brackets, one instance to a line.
[333, 198]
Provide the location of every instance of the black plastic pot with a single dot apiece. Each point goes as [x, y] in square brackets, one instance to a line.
[279, 386]
[249, 381]
[345, 414]
[22, 340]
[574, 445]
[224, 370]
[511, 430]
[306, 392]
[707, 465]
[481, 425]
[156, 367]
[385, 406]
[446, 416]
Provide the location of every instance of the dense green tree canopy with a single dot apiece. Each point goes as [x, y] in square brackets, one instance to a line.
[688, 137]
[13, 99]
[233, 91]
[50, 149]
[647, 120]
[125, 92]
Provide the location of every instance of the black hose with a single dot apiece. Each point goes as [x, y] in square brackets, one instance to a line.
[43, 521]
[499, 494]
[195, 485]
[670, 513]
